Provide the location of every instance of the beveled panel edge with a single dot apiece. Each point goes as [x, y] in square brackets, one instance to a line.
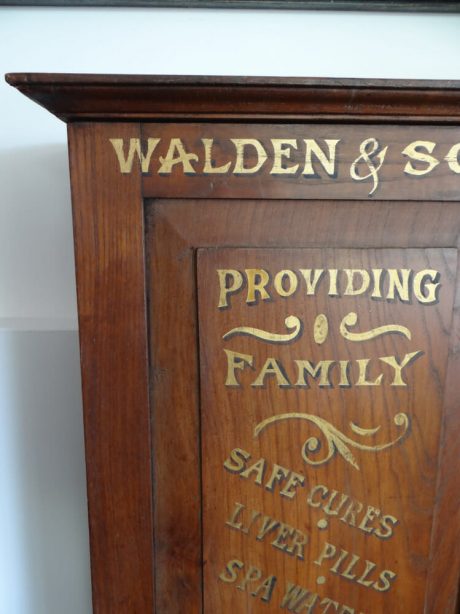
[73, 97]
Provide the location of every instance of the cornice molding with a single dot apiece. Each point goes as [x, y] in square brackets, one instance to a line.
[74, 97]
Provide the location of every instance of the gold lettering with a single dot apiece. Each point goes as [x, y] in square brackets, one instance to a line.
[452, 158]
[278, 473]
[258, 468]
[386, 578]
[327, 553]
[295, 599]
[271, 367]
[235, 463]
[312, 278]
[241, 145]
[376, 274]
[126, 162]
[239, 507]
[297, 548]
[177, 155]
[208, 168]
[322, 369]
[369, 568]
[230, 281]
[350, 290]
[266, 588]
[268, 525]
[326, 602]
[342, 556]
[398, 367]
[282, 149]
[349, 517]
[232, 522]
[344, 368]
[229, 574]
[262, 589]
[292, 283]
[400, 285]
[387, 523]
[327, 161]
[371, 514]
[413, 151]
[284, 532]
[351, 565]
[252, 575]
[328, 507]
[313, 491]
[363, 364]
[333, 282]
[429, 288]
[257, 280]
[235, 360]
[295, 479]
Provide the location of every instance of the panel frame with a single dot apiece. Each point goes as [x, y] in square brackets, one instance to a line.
[175, 227]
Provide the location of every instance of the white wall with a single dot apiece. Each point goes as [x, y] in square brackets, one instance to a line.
[44, 567]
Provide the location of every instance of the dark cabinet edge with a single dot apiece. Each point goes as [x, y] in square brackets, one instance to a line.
[73, 97]
[418, 6]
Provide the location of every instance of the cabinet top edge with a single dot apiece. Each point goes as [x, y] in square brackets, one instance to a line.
[110, 97]
[79, 79]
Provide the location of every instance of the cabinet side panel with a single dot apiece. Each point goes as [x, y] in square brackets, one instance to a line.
[108, 227]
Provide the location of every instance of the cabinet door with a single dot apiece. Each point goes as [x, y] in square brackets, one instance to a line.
[270, 367]
[304, 385]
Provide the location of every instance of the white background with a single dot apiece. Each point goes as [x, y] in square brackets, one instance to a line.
[44, 563]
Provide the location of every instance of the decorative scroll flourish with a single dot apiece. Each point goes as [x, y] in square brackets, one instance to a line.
[351, 319]
[369, 150]
[291, 322]
[335, 440]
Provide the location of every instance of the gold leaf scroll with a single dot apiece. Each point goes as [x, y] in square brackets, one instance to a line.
[351, 319]
[335, 439]
[291, 322]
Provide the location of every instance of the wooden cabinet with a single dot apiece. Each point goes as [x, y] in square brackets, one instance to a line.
[268, 300]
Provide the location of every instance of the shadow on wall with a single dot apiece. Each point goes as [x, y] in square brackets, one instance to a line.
[44, 560]
[36, 244]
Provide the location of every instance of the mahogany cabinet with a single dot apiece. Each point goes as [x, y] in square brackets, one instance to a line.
[268, 302]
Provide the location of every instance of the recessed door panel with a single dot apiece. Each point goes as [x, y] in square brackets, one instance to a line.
[322, 382]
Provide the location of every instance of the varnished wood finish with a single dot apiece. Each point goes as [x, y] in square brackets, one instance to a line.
[176, 464]
[159, 420]
[441, 184]
[133, 97]
[109, 252]
[400, 481]
[173, 228]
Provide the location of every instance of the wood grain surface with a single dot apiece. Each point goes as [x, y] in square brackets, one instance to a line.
[192, 98]
[193, 241]
[336, 163]
[325, 511]
[404, 479]
[109, 254]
